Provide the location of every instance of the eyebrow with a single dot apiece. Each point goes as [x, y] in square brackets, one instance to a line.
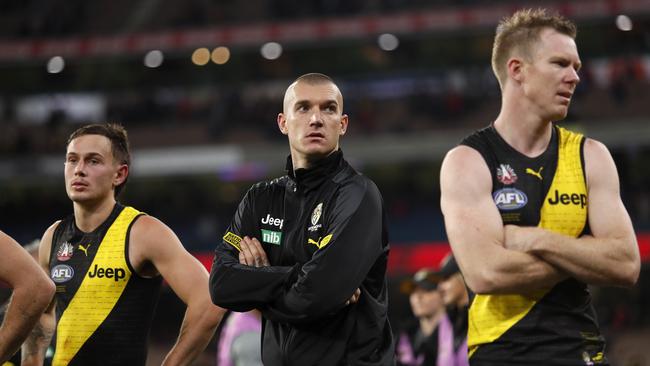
[309, 102]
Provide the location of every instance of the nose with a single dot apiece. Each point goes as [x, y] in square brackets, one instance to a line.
[79, 169]
[316, 118]
[573, 77]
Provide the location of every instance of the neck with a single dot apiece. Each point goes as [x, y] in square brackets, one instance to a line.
[521, 128]
[429, 323]
[88, 216]
[303, 161]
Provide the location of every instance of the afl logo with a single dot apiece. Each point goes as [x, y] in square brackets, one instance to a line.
[61, 273]
[315, 216]
[508, 199]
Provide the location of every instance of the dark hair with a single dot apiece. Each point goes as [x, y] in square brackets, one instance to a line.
[119, 143]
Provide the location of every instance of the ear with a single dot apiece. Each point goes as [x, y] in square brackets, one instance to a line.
[515, 68]
[344, 125]
[282, 124]
[120, 175]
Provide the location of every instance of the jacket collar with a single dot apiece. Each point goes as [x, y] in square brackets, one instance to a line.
[313, 177]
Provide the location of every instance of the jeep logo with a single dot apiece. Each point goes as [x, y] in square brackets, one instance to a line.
[567, 199]
[271, 221]
[116, 273]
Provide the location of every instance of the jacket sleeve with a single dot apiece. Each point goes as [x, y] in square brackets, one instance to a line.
[236, 286]
[358, 239]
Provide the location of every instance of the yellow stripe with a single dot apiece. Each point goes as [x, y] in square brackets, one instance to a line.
[567, 219]
[490, 316]
[96, 296]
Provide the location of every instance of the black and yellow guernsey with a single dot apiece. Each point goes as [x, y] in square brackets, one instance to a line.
[104, 309]
[554, 326]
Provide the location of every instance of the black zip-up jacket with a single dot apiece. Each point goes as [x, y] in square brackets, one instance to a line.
[324, 232]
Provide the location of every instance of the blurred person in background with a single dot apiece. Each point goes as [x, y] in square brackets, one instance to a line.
[430, 339]
[310, 249]
[456, 299]
[240, 342]
[533, 211]
[107, 261]
[32, 293]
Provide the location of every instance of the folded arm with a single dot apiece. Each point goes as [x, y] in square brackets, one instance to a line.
[354, 241]
[610, 256]
[476, 233]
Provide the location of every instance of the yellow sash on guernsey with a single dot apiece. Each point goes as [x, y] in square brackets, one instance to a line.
[490, 316]
[96, 296]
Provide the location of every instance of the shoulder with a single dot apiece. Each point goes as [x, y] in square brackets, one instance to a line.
[150, 234]
[599, 164]
[353, 184]
[46, 243]
[268, 186]
[464, 157]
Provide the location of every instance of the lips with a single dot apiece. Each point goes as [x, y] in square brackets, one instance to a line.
[565, 94]
[315, 135]
[79, 184]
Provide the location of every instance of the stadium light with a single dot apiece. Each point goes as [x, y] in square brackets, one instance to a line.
[388, 42]
[153, 59]
[271, 50]
[55, 65]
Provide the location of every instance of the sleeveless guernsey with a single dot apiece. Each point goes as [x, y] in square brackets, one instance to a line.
[553, 326]
[104, 309]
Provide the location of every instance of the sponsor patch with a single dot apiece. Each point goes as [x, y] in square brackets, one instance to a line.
[508, 199]
[506, 175]
[101, 272]
[320, 243]
[65, 251]
[536, 173]
[271, 237]
[233, 239]
[569, 199]
[84, 248]
[271, 221]
[61, 273]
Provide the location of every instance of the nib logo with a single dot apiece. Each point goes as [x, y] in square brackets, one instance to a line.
[271, 237]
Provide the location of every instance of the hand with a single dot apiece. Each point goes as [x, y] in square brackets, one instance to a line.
[355, 297]
[519, 238]
[252, 253]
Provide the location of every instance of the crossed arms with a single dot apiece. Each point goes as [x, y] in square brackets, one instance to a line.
[511, 259]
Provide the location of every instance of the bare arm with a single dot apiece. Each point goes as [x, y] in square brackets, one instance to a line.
[611, 255]
[35, 346]
[476, 234]
[158, 244]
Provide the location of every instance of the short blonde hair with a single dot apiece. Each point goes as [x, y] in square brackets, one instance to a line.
[519, 32]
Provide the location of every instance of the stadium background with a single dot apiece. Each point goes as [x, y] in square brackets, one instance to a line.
[198, 85]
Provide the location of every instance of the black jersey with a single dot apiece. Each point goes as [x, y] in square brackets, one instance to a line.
[554, 326]
[103, 308]
[324, 232]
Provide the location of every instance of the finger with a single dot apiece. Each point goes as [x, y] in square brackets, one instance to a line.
[249, 258]
[260, 253]
[258, 256]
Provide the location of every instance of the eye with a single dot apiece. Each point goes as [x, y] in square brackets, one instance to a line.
[70, 160]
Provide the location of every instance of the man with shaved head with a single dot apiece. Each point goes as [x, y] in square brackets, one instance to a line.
[309, 249]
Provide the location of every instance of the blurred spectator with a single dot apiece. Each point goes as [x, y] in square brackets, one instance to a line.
[456, 300]
[240, 343]
[430, 340]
